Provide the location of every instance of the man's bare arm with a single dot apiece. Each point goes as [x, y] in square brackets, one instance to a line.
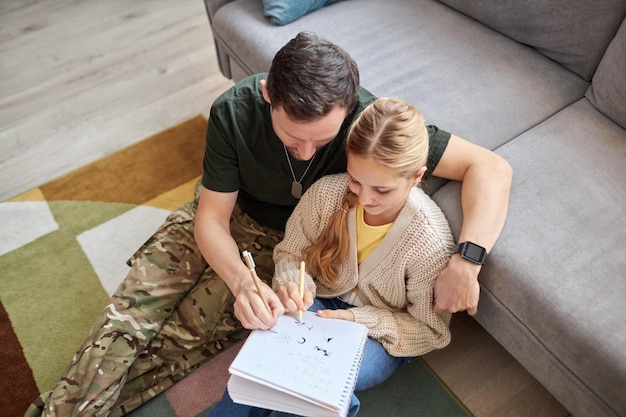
[212, 233]
[485, 191]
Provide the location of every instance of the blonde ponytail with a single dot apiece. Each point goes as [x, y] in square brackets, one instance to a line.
[330, 250]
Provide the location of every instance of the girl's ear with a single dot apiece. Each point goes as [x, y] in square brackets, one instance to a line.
[420, 175]
[266, 96]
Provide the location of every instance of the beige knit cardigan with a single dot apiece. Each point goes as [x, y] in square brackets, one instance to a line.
[396, 280]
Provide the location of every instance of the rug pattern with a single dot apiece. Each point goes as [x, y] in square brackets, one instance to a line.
[63, 248]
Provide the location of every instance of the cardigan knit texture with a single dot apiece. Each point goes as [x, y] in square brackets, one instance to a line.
[395, 282]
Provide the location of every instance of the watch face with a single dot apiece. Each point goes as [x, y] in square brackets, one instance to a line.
[474, 252]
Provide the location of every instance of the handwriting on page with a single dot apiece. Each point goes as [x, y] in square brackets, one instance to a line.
[310, 346]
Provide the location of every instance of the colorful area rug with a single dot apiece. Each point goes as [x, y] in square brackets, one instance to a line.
[63, 248]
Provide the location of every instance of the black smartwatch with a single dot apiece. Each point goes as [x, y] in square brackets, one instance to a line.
[472, 252]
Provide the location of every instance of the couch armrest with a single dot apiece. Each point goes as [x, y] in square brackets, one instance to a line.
[213, 5]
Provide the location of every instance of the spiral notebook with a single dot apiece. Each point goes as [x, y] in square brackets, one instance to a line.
[307, 368]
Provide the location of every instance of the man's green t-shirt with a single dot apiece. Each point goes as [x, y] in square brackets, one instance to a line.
[244, 154]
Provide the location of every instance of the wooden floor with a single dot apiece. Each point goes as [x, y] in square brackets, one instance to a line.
[82, 79]
[486, 378]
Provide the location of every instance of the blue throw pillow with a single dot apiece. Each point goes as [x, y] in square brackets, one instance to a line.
[281, 12]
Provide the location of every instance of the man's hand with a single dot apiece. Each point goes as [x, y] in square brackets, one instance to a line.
[212, 233]
[457, 288]
[250, 309]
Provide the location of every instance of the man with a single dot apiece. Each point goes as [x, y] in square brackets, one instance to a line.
[268, 139]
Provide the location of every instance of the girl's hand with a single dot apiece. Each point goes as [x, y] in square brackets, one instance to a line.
[289, 295]
[336, 314]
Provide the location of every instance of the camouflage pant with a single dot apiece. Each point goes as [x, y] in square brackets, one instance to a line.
[169, 316]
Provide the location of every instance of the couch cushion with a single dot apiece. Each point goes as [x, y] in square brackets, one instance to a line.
[558, 267]
[282, 12]
[572, 32]
[608, 89]
[425, 53]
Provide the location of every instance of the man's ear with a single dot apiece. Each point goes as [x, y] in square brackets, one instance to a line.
[266, 96]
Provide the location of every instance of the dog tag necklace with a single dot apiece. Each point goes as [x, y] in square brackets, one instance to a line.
[296, 186]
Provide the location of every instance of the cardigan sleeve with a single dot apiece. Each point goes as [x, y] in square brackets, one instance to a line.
[288, 253]
[303, 228]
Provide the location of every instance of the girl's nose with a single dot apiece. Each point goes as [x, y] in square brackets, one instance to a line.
[365, 197]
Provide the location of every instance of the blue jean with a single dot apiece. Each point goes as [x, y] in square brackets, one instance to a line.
[376, 367]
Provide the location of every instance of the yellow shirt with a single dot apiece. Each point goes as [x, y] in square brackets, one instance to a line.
[367, 238]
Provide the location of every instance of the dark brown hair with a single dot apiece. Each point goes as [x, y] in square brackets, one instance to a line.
[310, 75]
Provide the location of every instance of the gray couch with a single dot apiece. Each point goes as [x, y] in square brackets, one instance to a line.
[543, 83]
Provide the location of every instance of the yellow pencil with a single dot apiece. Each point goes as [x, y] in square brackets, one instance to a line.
[301, 288]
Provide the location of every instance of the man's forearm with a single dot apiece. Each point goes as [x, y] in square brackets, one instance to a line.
[485, 197]
[486, 185]
[220, 251]
[485, 200]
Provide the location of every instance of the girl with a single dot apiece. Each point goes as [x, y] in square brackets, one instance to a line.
[373, 244]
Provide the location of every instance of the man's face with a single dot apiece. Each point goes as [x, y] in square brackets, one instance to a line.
[304, 139]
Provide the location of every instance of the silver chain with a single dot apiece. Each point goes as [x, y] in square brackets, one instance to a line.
[291, 168]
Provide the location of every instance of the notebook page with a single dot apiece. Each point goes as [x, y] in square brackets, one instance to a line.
[317, 358]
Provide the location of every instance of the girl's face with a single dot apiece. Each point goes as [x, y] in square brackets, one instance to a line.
[381, 192]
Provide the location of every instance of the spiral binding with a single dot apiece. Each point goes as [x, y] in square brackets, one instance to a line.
[346, 395]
